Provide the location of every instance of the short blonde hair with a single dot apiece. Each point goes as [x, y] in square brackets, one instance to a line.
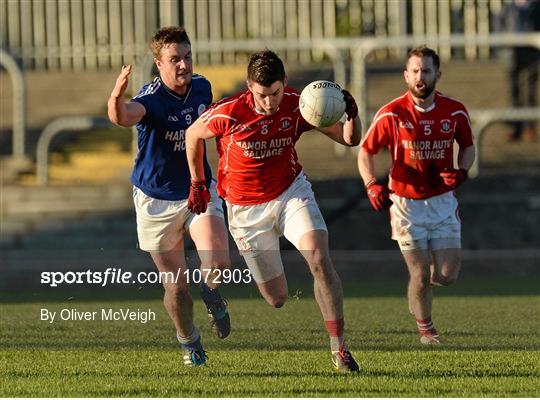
[165, 36]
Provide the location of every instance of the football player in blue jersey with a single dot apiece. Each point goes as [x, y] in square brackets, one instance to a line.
[162, 112]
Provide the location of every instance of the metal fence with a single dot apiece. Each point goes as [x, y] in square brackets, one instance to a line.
[359, 49]
[91, 34]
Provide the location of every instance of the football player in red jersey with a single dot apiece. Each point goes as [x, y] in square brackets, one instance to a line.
[266, 191]
[419, 128]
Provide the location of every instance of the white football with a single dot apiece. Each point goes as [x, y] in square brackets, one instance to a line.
[322, 103]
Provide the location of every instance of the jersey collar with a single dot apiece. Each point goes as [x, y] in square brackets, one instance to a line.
[171, 92]
[420, 109]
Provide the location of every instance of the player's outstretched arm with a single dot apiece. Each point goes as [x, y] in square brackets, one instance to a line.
[348, 133]
[119, 112]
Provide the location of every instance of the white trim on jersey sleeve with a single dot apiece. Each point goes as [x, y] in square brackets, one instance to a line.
[374, 122]
[380, 112]
[388, 105]
[464, 113]
[205, 115]
[208, 119]
[458, 111]
[396, 137]
[296, 127]
[227, 157]
[150, 89]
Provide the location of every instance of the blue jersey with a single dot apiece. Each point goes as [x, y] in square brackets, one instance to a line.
[161, 170]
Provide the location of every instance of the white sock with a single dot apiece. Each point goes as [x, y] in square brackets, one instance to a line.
[336, 342]
[191, 338]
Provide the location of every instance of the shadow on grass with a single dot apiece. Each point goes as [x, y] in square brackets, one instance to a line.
[409, 342]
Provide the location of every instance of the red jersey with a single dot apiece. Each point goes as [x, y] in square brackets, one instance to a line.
[421, 142]
[257, 159]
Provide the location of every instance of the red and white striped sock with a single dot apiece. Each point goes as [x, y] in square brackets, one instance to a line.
[335, 330]
[426, 327]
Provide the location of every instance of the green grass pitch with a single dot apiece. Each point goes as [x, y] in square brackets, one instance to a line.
[490, 331]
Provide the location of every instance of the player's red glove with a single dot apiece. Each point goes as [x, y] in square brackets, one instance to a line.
[378, 195]
[199, 196]
[454, 177]
[351, 109]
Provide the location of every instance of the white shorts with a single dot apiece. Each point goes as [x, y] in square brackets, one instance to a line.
[256, 228]
[161, 224]
[426, 224]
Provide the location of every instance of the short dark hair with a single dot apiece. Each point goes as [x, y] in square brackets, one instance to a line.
[424, 51]
[165, 36]
[265, 68]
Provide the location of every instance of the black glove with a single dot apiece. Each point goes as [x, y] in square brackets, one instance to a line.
[351, 109]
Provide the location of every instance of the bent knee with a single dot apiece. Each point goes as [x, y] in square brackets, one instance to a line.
[216, 266]
[320, 265]
[422, 281]
[446, 280]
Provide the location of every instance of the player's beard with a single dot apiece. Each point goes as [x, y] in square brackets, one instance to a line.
[424, 92]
